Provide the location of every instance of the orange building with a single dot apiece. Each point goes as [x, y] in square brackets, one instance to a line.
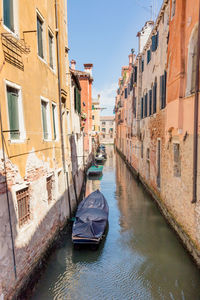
[162, 146]
[86, 80]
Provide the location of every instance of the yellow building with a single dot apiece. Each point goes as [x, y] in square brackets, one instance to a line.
[35, 155]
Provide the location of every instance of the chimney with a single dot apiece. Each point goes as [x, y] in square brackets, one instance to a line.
[130, 59]
[88, 68]
[73, 64]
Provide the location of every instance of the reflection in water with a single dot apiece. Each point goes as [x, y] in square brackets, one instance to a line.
[141, 258]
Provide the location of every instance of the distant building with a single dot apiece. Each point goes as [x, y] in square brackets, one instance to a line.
[107, 130]
[95, 120]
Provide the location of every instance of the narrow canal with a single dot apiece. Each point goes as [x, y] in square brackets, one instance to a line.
[141, 257]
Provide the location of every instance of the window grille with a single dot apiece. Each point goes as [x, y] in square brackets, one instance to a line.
[49, 188]
[23, 204]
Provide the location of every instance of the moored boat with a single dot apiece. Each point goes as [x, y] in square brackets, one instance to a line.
[90, 220]
[95, 170]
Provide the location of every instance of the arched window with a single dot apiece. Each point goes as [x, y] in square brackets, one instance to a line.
[192, 62]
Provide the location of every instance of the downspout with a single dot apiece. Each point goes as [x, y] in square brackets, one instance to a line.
[7, 197]
[60, 104]
[196, 119]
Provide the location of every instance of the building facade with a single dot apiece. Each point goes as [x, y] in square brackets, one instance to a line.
[39, 181]
[107, 129]
[155, 117]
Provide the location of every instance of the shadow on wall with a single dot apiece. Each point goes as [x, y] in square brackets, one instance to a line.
[31, 239]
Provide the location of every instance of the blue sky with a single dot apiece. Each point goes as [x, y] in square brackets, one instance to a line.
[103, 32]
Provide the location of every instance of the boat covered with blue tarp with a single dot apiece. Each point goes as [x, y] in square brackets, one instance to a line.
[91, 219]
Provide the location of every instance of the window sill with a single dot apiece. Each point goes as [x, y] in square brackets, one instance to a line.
[14, 34]
[47, 140]
[20, 141]
[42, 59]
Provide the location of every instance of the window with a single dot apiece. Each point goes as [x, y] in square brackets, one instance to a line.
[150, 102]
[148, 56]
[177, 160]
[111, 129]
[158, 163]
[15, 112]
[55, 121]
[142, 149]
[23, 204]
[77, 100]
[93, 128]
[40, 25]
[103, 129]
[45, 120]
[154, 40]
[155, 97]
[192, 62]
[49, 188]
[8, 14]
[103, 123]
[142, 108]
[143, 65]
[163, 79]
[145, 105]
[135, 74]
[93, 117]
[125, 93]
[111, 136]
[104, 136]
[50, 50]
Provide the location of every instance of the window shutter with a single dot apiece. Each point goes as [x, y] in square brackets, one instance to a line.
[161, 92]
[142, 65]
[145, 108]
[150, 102]
[13, 114]
[125, 92]
[154, 97]
[148, 56]
[44, 120]
[54, 121]
[157, 39]
[154, 42]
[141, 108]
[135, 74]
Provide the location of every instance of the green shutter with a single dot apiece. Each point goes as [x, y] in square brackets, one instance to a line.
[44, 120]
[54, 121]
[13, 113]
[8, 14]
[39, 37]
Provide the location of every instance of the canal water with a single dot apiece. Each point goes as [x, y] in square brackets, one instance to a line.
[141, 257]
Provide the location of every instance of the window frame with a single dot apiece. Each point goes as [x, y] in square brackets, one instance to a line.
[22, 132]
[50, 34]
[55, 120]
[15, 31]
[41, 18]
[43, 99]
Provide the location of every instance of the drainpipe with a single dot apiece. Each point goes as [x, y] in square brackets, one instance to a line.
[7, 197]
[196, 112]
[60, 102]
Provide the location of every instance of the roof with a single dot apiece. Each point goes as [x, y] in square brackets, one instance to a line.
[75, 78]
[81, 73]
[107, 118]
